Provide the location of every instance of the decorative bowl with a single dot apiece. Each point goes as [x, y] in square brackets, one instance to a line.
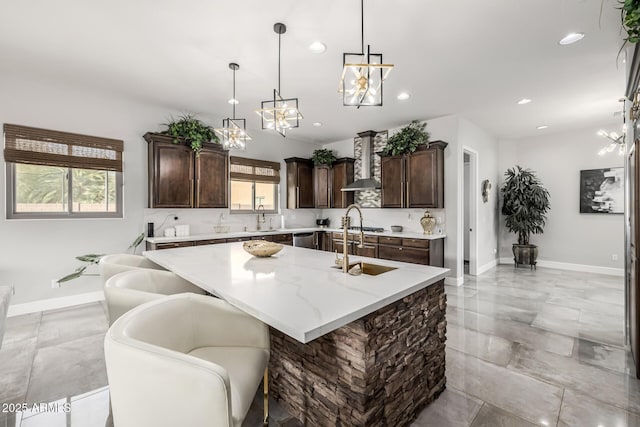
[396, 228]
[261, 248]
[221, 228]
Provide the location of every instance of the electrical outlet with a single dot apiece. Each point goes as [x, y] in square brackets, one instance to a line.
[495, 251]
[614, 257]
[55, 284]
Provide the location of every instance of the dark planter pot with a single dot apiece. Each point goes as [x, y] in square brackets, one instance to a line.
[525, 254]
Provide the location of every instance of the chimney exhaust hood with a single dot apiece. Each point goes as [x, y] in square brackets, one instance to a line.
[366, 182]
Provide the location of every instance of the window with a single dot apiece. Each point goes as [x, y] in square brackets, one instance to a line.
[254, 183]
[54, 174]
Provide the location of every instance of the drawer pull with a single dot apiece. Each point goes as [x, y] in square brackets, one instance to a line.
[399, 249]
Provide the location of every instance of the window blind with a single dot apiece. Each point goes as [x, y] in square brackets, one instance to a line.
[35, 146]
[254, 170]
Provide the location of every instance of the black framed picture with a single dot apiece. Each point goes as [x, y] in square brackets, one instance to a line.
[602, 191]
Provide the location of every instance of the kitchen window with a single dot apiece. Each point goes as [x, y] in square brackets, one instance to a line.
[53, 174]
[254, 183]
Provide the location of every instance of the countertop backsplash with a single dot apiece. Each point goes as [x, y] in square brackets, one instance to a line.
[202, 221]
[409, 219]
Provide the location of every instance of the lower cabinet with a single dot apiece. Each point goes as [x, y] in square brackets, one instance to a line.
[416, 251]
[158, 246]
[210, 242]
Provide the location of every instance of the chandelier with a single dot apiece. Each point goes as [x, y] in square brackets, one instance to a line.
[280, 113]
[617, 141]
[234, 131]
[363, 74]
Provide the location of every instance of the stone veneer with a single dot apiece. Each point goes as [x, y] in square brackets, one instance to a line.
[380, 370]
[369, 198]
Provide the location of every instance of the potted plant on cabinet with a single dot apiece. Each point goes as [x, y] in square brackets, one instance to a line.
[191, 131]
[322, 156]
[407, 140]
[525, 204]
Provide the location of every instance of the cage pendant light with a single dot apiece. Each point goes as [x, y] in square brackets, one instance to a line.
[233, 132]
[363, 74]
[280, 113]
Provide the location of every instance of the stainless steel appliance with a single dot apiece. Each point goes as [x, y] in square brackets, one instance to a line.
[304, 240]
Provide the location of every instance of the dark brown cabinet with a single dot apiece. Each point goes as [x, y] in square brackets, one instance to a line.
[300, 189]
[341, 177]
[322, 180]
[171, 245]
[415, 180]
[329, 181]
[180, 179]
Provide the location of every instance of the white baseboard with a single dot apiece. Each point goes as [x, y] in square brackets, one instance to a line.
[54, 303]
[573, 267]
[488, 266]
[453, 281]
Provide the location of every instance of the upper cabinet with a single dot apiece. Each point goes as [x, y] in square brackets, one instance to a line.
[329, 181]
[322, 180]
[300, 189]
[342, 176]
[415, 180]
[180, 179]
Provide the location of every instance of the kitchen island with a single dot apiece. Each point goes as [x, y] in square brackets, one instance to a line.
[345, 350]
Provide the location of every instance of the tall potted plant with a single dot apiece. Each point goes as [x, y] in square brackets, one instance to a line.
[525, 204]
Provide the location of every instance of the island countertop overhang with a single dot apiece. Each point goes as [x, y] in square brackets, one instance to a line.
[296, 291]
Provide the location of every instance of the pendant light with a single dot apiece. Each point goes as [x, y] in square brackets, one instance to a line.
[363, 74]
[280, 113]
[234, 131]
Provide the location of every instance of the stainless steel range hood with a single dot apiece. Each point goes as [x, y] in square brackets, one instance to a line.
[366, 182]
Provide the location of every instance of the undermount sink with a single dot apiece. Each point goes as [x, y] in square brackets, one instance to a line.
[367, 268]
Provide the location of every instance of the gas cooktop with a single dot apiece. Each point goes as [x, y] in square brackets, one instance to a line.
[373, 229]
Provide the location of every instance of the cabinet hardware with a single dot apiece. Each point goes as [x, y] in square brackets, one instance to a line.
[191, 192]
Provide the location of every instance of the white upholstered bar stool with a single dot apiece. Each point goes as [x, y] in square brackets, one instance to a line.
[185, 360]
[117, 263]
[131, 288]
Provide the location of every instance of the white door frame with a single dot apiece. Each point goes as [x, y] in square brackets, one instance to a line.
[472, 205]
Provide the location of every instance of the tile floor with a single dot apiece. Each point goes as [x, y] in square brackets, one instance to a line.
[524, 348]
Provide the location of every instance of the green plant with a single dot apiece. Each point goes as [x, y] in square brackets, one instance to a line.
[93, 259]
[322, 156]
[407, 139]
[191, 130]
[525, 203]
[630, 10]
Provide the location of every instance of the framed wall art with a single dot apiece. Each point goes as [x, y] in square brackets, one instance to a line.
[602, 191]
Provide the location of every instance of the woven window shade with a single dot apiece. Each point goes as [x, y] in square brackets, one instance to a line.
[35, 146]
[254, 170]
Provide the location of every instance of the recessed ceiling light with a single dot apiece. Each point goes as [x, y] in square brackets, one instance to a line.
[233, 101]
[524, 101]
[403, 96]
[317, 47]
[317, 124]
[571, 38]
[542, 127]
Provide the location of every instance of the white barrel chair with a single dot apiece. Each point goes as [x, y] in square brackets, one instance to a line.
[131, 288]
[185, 360]
[117, 263]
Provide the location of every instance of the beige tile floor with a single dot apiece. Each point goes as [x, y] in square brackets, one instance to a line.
[524, 348]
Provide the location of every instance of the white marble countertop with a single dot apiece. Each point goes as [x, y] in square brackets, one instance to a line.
[296, 291]
[210, 236]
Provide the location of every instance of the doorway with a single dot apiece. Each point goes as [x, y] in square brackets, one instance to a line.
[470, 211]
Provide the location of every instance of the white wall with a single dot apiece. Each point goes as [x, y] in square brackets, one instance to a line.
[569, 236]
[486, 145]
[34, 252]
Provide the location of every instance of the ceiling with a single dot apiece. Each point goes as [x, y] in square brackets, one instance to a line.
[467, 57]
